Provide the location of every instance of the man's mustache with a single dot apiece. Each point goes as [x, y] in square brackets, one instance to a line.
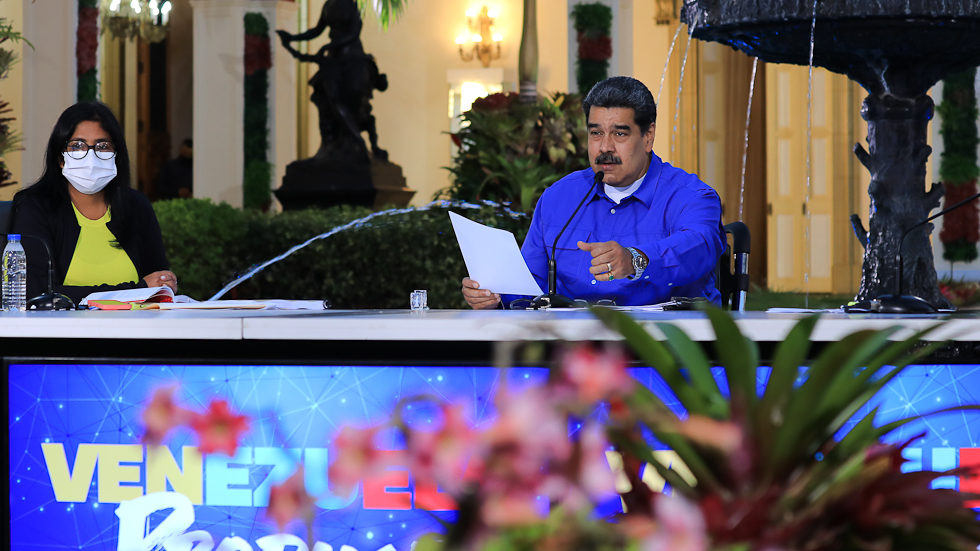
[608, 159]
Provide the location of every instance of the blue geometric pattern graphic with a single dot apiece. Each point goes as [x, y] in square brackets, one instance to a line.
[75, 452]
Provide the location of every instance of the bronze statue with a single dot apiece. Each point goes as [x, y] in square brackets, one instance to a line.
[343, 171]
[343, 85]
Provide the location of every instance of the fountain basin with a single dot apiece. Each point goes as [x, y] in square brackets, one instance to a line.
[897, 50]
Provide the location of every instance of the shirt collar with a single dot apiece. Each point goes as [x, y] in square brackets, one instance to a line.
[649, 186]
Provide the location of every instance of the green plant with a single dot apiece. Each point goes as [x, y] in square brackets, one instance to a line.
[10, 141]
[795, 478]
[593, 22]
[205, 242]
[509, 151]
[209, 245]
[258, 172]
[796, 465]
[526, 178]
[958, 166]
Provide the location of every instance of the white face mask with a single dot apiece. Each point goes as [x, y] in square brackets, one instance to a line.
[90, 174]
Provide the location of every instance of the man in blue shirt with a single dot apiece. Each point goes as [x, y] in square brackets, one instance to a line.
[647, 233]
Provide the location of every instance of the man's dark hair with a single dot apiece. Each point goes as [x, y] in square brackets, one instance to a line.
[623, 92]
[187, 143]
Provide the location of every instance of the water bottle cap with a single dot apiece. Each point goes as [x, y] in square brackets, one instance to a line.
[13, 237]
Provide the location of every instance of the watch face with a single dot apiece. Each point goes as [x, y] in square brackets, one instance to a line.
[639, 261]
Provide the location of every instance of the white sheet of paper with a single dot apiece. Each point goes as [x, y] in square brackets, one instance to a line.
[493, 258]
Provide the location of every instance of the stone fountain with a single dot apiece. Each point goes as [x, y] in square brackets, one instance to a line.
[896, 50]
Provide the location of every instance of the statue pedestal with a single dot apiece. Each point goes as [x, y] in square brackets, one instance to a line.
[308, 183]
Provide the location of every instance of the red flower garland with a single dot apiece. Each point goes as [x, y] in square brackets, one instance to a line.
[87, 37]
[258, 54]
[597, 48]
[963, 223]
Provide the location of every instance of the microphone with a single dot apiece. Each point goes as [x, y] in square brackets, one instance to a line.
[908, 304]
[553, 299]
[49, 300]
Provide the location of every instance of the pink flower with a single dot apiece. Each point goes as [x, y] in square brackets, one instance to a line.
[289, 501]
[527, 434]
[595, 375]
[680, 526]
[357, 457]
[441, 456]
[162, 415]
[595, 476]
[218, 429]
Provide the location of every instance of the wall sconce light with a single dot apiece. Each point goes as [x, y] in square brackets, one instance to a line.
[666, 11]
[486, 43]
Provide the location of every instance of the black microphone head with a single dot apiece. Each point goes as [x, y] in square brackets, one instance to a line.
[599, 176]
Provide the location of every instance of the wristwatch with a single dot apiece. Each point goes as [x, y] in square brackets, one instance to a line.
[639, 263]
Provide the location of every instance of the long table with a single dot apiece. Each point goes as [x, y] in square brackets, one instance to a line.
[370, 336]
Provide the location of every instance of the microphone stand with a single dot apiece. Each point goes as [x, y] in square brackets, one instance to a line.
[908, 304]
[553, 299]
[49, 300]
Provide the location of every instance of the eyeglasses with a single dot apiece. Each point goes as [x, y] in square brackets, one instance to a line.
[78, 149]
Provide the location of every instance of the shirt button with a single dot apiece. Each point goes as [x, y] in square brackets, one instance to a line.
[646, 277]
[593, 282]
[612, 211]
[670, 284]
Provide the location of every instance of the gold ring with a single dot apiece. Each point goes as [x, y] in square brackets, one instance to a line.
[608, 267]
[611, 276]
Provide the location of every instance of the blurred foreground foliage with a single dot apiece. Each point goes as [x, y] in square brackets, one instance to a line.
[373, 266]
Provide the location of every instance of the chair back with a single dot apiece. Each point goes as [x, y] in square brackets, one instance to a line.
[5, 216]
[732, 278]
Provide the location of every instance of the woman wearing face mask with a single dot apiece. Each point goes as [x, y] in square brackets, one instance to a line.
[103, 234]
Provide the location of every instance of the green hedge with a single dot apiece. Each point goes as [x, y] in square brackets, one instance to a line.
[373, 266]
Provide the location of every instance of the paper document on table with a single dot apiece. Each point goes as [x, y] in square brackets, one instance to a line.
[138, 295]
[493, 258]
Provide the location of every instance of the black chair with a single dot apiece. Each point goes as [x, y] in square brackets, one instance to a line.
[5, 216]
[734, 284]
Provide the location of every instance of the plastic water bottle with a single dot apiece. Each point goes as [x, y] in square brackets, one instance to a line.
[14, 274]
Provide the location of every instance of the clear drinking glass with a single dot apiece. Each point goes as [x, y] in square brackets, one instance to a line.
[420, 300]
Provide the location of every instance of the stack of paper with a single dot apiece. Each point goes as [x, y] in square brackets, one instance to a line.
[126, 298]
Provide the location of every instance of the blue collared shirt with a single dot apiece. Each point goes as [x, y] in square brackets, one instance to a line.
[674, 218]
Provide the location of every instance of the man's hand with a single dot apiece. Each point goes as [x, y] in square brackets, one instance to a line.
[477, 298]
[610, 260]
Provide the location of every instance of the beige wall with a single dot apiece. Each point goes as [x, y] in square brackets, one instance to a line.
[180, 74]
[415, 53]
[11, 91]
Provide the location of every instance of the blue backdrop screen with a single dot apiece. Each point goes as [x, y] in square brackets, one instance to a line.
[80, 479]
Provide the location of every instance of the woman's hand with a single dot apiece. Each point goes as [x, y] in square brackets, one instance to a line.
[161, 278]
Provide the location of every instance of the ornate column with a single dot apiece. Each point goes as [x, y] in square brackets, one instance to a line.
[219, 76]
[49, 76]
[527, 69]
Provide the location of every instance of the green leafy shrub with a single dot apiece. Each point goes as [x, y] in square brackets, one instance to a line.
[373, 266]
[510, 152]
[593, 23]
[205, 242]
